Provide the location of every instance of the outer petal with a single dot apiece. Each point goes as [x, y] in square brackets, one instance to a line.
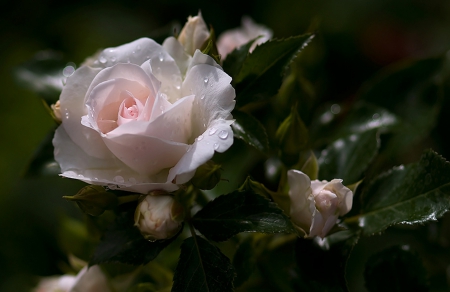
[214, 96]
[317, 224]
[109, 172]
[176, 50]
[301, 199]
[219, 137]
[72, 102]
[90, 280]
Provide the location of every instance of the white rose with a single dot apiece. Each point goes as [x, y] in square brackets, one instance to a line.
[316, 205]
[234, 38]
[143, 117]
[88, 280]
[194, 34]
[158, 217]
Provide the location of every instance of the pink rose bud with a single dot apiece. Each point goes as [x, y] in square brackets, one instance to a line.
[316, 205]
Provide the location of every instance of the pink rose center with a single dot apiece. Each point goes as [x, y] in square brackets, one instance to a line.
[129, 110]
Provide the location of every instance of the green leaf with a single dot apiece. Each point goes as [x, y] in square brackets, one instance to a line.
[250, 130]
[395, 269]
[244, 260]
[124, 243]
[262, 71]
[234, 61]
[348, 158]
[238, 212]
[94, 200]
[414, 92]
[44, 74]
[329, 256]
[410, 194]
[202, 268]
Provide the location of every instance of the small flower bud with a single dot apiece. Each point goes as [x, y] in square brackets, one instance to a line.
[158, 217]
[56, 111]
[316, 205]
[193, 34]
[94, 200]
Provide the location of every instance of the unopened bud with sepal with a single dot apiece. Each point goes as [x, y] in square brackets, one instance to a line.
[94, 200]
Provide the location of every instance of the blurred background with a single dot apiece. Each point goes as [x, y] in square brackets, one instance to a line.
[356, 39]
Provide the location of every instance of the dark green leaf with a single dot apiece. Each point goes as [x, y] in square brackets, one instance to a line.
[415, 193]
[414, 92]
[238, 212]
[234, 61]
[202, 268]
[329, 256]
[244, 260]
[124, 243]
[347, 158]
[250, 130]
[94, 200]
[43, 162]
[45, 74]
[261, 74]
[395, 269]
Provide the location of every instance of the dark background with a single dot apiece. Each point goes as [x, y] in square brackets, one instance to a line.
[355, 40]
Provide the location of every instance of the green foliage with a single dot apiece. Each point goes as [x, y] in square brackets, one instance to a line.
[250, 130]
[395, 269]
[94, 200]
[207, 176]
[123, 243]
[261, 74]
[410, 194]
[240, 211]
[244, 260]
[234, 61]
[202, 267]
[347, 158]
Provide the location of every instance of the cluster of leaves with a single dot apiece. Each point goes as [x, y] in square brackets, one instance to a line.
[353, 142]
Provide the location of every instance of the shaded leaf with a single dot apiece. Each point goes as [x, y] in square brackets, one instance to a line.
[395, 269]
[202, 267]
[261, 74]
[329, 256]
[240, 211]
[234, 61]
[347, 158]
[415, 193]
[44, 74]
[250, 130]
[124, 243]
[244, 260]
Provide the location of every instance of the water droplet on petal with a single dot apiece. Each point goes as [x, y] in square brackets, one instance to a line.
[200, 138]
[206, 79]
[138, 48]
[212, 131]
[161, 58]
[113, 59]
[132, 180]
[102, 59]
[162, 109]
[223, 134]
[216, 146]
[203, 97]
[119, 179]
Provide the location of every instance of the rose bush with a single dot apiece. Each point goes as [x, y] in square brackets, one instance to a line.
[144, 116]
[316, 205]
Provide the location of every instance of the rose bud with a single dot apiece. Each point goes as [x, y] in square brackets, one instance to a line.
[316, 205]
[234, 38]
[158, 216]
[193, 34]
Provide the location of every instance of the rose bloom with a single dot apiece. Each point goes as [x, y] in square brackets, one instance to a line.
[316, 205]
[234, 38]
[144, 116]
[88, 280]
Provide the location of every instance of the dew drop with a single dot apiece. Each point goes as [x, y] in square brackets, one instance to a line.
[206, 80]
[210, 85]
[212, 131]
[216, 146]
[132, 180]
[67, 115]
[113, 59]
[200, 138]
[102, 59]
[119, 179]
[223, 134]
[162, 109]
[203, 97]
[96, 178]
[161, 58]
[138, 48]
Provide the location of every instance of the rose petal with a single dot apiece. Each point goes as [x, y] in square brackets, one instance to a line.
[73, 108]
[146, 155]
[176, 50]
[201, 59]
[214, 96]
[316, 224]
[219, 137]
[109, 172]
[193, 34]
[301, 199]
